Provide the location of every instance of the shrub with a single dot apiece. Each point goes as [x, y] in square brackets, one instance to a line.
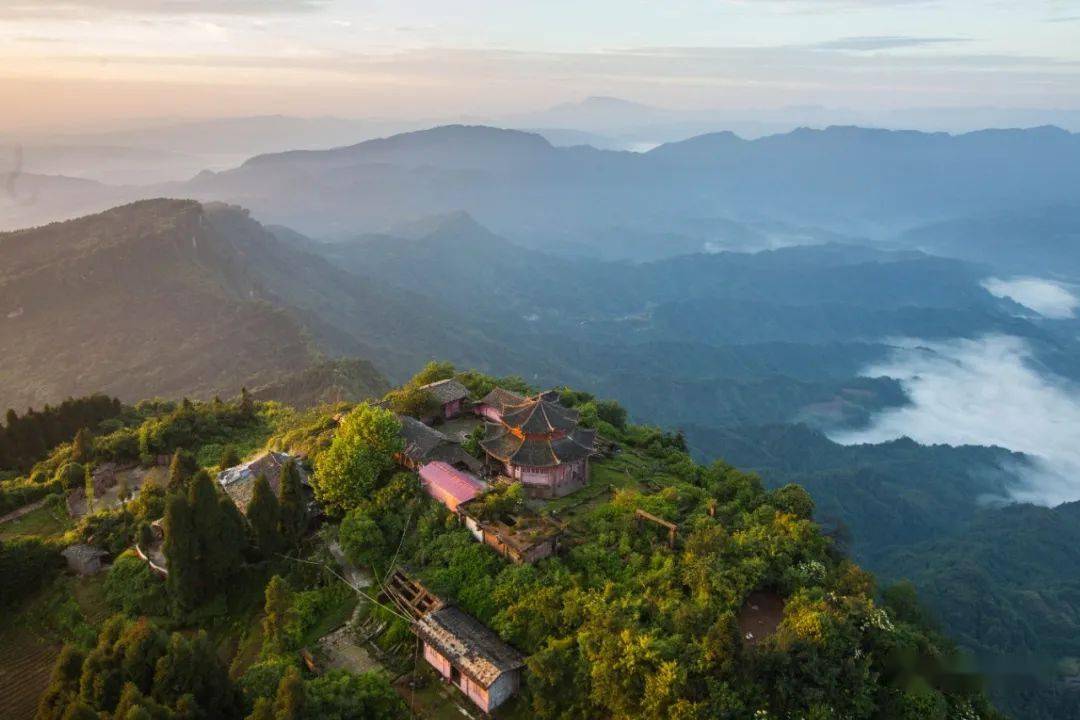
[132, 587]
[71, 475]
[15, 494]
[262, 678]
[25, 565]
[119, 446]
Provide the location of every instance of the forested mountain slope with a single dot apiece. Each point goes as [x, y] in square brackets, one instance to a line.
[1007, 588]
[173, 297]
[141, 300]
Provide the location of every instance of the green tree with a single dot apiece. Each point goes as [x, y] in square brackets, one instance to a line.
[359, 459]
[413, 401]
[71, 475]
[559, 680]
[434, 371]
[181, 549]
[294, 517]
[231, 538]
[264, 514]
[88, 488]
[793, 499]
[278, 613]
[82, 447]
[340, 695]
[289, 702]
[80, 711]
[247, 405]
[472, 442]
[263, 710]
[362, 538]
[64, 684]
[229, 457]
[202, 498]
[190, 674]
[181, 469]
[612, 413]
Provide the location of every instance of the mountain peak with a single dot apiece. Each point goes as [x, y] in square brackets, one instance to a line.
[453, 224]
[465, 145]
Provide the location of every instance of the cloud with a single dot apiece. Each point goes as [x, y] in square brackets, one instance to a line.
[985, 392]
[1048, 298]
[37, 9]
[867, 43]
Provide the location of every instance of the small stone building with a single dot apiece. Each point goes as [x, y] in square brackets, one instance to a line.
[471, 656]
[239, 481]
[451, 396]
[84, 559]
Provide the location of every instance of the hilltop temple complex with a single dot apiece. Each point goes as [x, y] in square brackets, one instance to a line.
[538, 442]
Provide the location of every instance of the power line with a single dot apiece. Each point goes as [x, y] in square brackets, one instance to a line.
[343, 579]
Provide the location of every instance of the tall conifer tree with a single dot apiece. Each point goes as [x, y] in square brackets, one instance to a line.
[264, 515]
[293, 508]
[289, 703]
[181, 552]
[182, 467]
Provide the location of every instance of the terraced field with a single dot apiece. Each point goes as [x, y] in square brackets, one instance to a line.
[25, 666]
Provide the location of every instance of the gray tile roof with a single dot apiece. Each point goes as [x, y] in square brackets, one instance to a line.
[446, 391]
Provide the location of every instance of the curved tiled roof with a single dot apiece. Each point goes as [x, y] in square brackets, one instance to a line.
[537, 451]
[538, 415]
[501, 399]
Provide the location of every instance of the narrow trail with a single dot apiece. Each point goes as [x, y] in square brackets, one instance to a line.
[24, 510]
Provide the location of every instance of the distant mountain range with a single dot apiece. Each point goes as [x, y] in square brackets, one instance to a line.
[712, 192]
[841, 179]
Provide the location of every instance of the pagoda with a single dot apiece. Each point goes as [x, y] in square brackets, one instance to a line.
[537, 441]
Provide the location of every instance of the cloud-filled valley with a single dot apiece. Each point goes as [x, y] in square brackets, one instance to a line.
[1048, 298]
[986, 391]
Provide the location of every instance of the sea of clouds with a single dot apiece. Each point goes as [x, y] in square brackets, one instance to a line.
[1046, 297]
[986, 391]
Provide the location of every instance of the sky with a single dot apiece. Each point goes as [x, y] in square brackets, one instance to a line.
[75, 63]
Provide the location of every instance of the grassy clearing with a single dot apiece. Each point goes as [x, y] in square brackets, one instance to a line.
[248, 647]
[629, 470]
[89, 593]
[44, 522]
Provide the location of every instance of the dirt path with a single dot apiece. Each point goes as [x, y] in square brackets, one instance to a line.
[357, 577]
[24, 510]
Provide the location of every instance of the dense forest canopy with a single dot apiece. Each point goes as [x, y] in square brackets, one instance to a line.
[620, 624]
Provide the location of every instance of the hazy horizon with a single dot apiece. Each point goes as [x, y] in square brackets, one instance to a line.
[82, 65]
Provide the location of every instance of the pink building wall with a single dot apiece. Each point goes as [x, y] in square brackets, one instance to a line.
[479, 695]
[452, 409]
[552, 481]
